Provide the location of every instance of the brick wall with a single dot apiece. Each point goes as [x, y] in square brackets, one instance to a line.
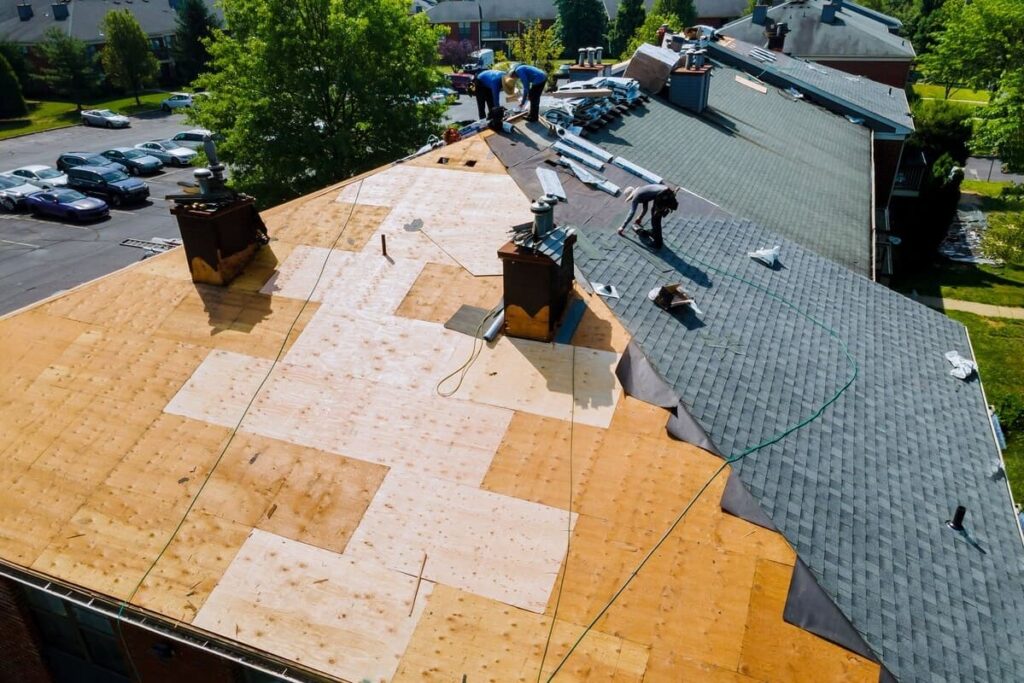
[20, 659]
[184, 664]
[887, 161]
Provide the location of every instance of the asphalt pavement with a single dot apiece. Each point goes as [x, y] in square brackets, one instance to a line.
[40, 256]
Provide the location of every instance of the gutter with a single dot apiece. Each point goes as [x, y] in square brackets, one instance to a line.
[874, 231]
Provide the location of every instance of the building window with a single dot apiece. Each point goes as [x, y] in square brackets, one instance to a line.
[79, 645]
[489, 30]
[465, 30]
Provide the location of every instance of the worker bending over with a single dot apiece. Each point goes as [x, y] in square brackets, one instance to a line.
[665, 202]
[533, 80]
[487, 86]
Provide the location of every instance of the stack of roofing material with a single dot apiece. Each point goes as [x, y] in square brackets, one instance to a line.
[651, 66]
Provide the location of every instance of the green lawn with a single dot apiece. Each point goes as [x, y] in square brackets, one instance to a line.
[50, 114]
[965, 95]
[995, 285]
[986, 188]
[997, 346]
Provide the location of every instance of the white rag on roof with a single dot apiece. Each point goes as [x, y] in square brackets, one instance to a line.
[962, 367]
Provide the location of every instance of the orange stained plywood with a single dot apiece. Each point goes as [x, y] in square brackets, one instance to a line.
[323, 222]
[776, 651]
[173, 265]
[461, 633]
[472, 154]
[599, 328]
[247, 322]
[193, 563]
[30, 342]
[35, 506]
[442, 289]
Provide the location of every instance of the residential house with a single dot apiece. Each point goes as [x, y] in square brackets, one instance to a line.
[712, 13]
[836, 33]
[489, 23]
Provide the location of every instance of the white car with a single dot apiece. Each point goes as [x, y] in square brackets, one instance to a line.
[179, 100]
[13, 192]
[170, 153]
[105, 119]
[40, 176]
[193, 139]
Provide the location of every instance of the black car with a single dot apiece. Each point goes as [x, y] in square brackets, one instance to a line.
[72, 159]
[109, 183]
[135, 160]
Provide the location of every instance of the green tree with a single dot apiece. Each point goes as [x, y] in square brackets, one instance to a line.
[647, 33]
[1000, 130]
[127, 59]
[17, 61]
[11, 101]
[301, 105]
[195, 24]
[69, 69]
[941, 127]
[628, 19]
[580, 23]
[683, 10]
[1004, 237]
[537, 46]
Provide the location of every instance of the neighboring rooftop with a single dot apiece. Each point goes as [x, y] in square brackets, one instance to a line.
[756, 152]
[85, 19]
[492, 10]
[854, 33]
[884, 108]
[706, 9]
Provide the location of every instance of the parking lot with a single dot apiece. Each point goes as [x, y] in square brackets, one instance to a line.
[39, 256]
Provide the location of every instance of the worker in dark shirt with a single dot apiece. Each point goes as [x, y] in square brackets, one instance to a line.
[664, 201]
[487, 85]
[533, 80]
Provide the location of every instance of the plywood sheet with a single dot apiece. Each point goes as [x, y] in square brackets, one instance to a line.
[323, 222]
[35, 506]
[553, 380]
[348, 618]
[404, 353]
[488, 544]
[221, 388]
[441, 290]
[360, 282]
[461, 633]
[253, 323]
[472, 154]
[599, 328]
[30, 342]
[776, 651]
[300, 493]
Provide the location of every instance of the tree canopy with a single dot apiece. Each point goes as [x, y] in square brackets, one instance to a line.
[1000, 130]
[648, 31]
[628, 19]
[68, 67]
[194, 27]
[683, 10]
[11, 101]
[580, 23]
[455, 53]
[309, 92]
[537, 46]
[127, 59]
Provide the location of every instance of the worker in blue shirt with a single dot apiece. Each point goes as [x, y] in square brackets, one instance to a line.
[487, 86]
[533, 80]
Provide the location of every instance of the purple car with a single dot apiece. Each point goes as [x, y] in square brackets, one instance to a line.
[63, 203]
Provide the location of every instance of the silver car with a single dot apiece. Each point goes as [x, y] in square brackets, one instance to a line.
[168, 152]
[40, 176]
[193, 139]
[13, 192]
[105, 118]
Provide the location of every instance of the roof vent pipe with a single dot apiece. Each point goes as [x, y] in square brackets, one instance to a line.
[599, 54]
[25, 12]
[760, 14]
[590, 56]
[957, 523]
[581, 58]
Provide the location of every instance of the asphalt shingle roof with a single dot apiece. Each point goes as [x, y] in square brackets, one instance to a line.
[454, 10]
[854, 34]
[862, 492]
[706, 9]
[886, 108]
[790, 165]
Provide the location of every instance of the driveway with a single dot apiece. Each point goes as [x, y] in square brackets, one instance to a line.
[981, 168]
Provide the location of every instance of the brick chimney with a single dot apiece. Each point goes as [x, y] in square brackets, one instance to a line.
[60, 11]
[775, 34]
[25, 11]
[690, 84]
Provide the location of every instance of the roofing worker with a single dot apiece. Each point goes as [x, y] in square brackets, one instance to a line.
[487, 86]
[665, 202]
[533, 80]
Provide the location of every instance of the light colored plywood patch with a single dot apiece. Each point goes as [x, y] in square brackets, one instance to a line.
[358, 282]
[482, 542]
[347, 618]
[404, 353]
[776, 651]
[544, 379]
[461, 633]
[256, 324]
[191, 566]
[473, 155]
[262, 266]
[599, 328]
[441, 290]
[221, 388]
[323, 222]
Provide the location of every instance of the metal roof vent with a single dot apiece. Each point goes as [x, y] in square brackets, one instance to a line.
[25, 12]
[957, 523]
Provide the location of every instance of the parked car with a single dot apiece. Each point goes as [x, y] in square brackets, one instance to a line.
[107, 182]
[72, 159]
[13, 192]
[105, 119]
[170, 153]
[40, 176]
[65, 203]
[134, 160]
[193, 139]
[178, 100]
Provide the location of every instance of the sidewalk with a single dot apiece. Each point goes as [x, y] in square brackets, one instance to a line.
[986, 310]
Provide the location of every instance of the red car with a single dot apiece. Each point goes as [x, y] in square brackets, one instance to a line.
[461, 82]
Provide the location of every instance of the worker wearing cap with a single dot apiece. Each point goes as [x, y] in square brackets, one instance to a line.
[487, 85]
[533, 80]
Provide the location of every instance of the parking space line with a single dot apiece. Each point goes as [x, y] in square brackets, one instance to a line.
[21, 244]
